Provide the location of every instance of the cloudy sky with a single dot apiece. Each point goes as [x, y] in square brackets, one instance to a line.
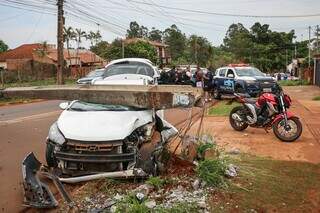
[19, 26]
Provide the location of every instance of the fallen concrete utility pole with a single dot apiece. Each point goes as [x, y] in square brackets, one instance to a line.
[141, 96]
[120, 174]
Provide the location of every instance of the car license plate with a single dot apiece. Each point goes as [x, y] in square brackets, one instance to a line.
[267, 90]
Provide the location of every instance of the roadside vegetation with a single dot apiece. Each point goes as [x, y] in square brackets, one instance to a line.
[293, 83]
[317, 98]
[9, 101]
[45, 82]
[267, 185]
[222, 108]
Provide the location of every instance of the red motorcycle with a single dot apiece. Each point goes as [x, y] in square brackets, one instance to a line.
[269, 111]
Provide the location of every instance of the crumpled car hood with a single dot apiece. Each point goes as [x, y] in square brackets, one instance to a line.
[101, 125]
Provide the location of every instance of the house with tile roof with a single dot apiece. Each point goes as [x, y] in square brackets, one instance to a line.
[25, 56]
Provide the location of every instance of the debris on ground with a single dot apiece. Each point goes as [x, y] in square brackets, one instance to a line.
[234, 151]
[231, 171]
[184, 187]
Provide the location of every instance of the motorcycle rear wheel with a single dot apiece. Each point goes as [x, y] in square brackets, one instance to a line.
[293, 122]
[237, 125]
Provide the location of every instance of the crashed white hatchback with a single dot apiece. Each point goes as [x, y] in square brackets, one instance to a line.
[129, 71]
[91, 138]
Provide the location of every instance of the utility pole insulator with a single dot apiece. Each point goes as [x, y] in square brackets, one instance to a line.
[60, 57]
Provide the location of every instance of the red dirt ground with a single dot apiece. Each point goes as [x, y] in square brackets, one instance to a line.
[258, 142]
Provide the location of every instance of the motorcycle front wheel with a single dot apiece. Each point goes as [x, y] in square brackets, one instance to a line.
[288, 133]
[238, 125]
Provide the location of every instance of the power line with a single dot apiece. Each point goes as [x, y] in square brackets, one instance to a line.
[229, 14]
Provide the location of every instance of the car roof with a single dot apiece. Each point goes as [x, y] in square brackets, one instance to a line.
[232, 67]
[142, 60]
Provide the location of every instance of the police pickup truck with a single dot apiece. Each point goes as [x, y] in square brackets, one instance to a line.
[241, 78]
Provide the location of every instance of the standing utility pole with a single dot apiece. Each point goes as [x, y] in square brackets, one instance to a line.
[309, 57]
[60, 42]
[122, 48]
[317, 34]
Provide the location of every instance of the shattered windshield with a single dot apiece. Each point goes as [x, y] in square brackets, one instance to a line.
[85, 106]
[129, 67]
[251, 72]
[96, 73]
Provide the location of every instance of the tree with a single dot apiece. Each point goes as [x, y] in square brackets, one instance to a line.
[101, 49]
[93, 37]
[155, 35]
[176, 41]
[3, 46]
[113, 51]
[68, 36]
[79, 35]
[200, 50]
[260, 46]
[137, 31]
[141, 49]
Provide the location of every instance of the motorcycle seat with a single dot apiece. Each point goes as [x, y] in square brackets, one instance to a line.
[250, 100]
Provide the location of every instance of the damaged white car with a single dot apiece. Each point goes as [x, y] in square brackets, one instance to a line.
[90, 138]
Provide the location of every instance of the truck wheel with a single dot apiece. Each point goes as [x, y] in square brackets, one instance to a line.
[216, 94]
[50, 158]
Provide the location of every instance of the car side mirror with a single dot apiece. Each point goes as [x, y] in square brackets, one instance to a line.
[64, 105]
[230, 75]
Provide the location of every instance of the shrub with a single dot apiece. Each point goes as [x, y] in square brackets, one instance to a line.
[157, 182]
[293, 83]
[130, 204]
[212, 171]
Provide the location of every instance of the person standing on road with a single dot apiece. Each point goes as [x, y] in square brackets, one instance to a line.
[199, 77]
[172, 75]
[207, 84]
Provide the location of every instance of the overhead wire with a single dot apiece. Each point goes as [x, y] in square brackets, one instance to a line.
[230, 14]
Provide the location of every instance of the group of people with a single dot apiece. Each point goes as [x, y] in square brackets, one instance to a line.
[201, 78]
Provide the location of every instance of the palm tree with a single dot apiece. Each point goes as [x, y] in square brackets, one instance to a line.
[79, 35]
[68, 35]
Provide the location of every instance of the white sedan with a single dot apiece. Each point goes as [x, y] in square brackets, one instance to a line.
[129, 71]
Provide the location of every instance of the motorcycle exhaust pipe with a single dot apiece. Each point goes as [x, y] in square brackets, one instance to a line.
[251, 120]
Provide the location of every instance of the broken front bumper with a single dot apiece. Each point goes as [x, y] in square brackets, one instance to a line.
[36, 193]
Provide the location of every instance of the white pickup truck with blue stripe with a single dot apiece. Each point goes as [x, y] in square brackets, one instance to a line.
[241, 78]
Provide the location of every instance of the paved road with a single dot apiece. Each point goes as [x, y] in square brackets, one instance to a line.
[8, 113]
[23, 129]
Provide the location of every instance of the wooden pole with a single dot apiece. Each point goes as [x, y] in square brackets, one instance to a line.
[60, 42]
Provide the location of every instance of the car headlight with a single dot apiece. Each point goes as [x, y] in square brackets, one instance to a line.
[55, 135]
[250, 81]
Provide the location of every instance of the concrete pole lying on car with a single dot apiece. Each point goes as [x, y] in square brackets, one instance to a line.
[140, 96]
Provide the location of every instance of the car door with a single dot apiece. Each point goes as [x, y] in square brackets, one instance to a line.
[229, 81]
[219, 79]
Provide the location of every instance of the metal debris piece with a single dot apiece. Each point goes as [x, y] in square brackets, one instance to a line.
[36, 193]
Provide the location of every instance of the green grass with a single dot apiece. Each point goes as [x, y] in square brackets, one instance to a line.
[317, 98]
[45, 82]
[17, 100]
[293, 83]
[157, 182]
[212, 171]
[267, 185]
[222, 108]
